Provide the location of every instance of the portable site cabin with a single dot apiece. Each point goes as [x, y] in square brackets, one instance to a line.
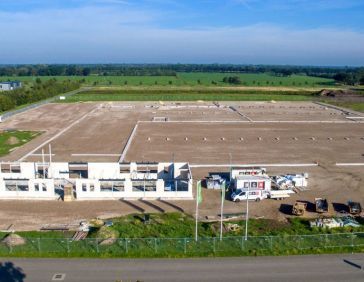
[252, 182]
[250, 178]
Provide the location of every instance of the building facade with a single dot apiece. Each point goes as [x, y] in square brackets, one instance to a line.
[10, 85]
[95, 181]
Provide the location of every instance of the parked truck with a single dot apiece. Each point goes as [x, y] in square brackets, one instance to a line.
[321, 205]
[299, 208]
[354, 207]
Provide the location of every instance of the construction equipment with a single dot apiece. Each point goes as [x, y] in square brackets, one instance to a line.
[321, 205]
[299, 208]
[354, 207]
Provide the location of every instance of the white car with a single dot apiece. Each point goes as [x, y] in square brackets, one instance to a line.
[255, 195]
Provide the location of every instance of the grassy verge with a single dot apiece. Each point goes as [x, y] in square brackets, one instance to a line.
[188, 95]
[356, 106]
[10, 140]
[171, 235]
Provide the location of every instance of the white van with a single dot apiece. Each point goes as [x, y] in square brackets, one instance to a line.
[255, 195]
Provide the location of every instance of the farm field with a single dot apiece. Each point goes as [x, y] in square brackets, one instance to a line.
[194, 79]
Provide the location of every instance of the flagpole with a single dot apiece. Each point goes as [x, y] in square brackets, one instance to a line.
[222, 208]
[197, 202]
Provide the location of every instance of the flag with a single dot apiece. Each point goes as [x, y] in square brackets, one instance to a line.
[223, 190]
[199, 192]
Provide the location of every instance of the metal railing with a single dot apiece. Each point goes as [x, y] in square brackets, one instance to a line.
[178, 247]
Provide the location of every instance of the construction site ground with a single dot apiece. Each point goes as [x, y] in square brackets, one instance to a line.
[283, 136]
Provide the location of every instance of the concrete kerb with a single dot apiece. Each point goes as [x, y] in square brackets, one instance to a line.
[128, 143]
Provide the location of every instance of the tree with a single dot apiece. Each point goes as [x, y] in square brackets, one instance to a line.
[361, 81]
[86, 71]
[6, 103]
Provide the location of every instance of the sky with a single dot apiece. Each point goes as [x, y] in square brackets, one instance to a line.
[290, 32]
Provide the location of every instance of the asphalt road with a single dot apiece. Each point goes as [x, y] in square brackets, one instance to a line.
[291, 268]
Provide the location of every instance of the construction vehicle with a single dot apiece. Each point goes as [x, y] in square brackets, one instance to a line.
[354, 207]
[299, 208]
[321, 205]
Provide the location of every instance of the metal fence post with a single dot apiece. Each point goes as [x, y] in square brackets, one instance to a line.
[185, 245]
[214, 244]
[97, 245]
[352, 243]
[68, 246]
[39, 249]
[126, 245]
[155, 245]
[242, 243]
[271, 243]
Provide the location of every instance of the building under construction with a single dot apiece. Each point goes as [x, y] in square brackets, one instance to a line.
[95, 181]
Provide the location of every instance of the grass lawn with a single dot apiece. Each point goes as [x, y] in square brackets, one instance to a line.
[13, 139]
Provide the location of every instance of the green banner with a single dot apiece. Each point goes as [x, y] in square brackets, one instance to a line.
[199, 192]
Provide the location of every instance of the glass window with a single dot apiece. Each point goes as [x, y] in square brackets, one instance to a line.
[44, 187]
[84, 187]
[36, 187]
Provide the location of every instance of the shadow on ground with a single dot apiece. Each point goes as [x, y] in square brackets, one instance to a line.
[11, 273]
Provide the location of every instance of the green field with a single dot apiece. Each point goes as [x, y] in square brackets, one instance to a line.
[193, 79]
[12, 139]
[175, 94]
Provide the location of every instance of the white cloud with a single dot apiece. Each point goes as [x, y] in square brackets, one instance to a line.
[105, 34]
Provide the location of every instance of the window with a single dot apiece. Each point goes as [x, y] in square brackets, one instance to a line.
[15, 168]
[253, 185]
[5, 168]
[44, 187]
[23, 187]
[92, 188]
[36, 187]
[84, 187]
[106, 186]
[118, 186]
[10, 186]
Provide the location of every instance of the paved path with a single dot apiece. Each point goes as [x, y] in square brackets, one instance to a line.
[290, 268]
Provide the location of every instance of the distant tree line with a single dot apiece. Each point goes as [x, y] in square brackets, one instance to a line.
[38, 91]
[346, 75]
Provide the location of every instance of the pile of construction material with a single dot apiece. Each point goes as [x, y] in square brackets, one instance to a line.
[334, 222]
[291, 181]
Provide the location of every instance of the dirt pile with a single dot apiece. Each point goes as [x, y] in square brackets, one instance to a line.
[336, 93]
[12, 141]
[13, 240]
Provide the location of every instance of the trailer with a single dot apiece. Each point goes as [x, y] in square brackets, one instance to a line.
[321, 205]
[279, 194]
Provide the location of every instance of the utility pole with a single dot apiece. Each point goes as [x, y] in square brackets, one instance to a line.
[247, 214]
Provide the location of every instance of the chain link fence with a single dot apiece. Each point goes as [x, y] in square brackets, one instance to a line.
[179, 247]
